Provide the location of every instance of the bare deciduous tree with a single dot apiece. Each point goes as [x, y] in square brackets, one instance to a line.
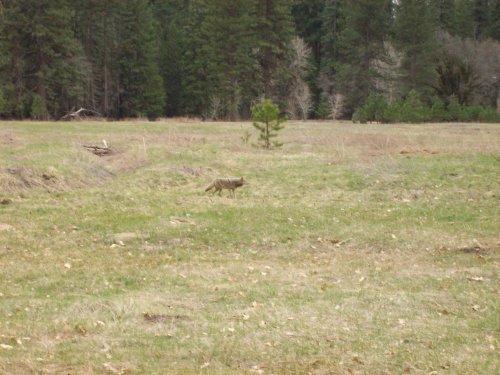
[483, 58]
[299, 101]
[336, 104]
[388, 72]
[213, 112]
[302, 95]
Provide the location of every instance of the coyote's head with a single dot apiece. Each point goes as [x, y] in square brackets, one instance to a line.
[242, 182]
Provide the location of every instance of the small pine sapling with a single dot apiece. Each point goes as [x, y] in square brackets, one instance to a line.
[266, 118]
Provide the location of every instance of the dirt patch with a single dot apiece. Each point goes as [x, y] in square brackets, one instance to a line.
[23, 177]
[473, 250]
[127, 236]
[162, 318]
[181, 221]
[98, 173]
[19, 178]
[418, 151]
[8, 138]
[5, 202]
[125, 162]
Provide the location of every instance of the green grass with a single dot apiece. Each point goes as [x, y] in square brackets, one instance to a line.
[353, 250]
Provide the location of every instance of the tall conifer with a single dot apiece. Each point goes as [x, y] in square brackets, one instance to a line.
[309, 26]
[275, 30]
[222, 72]
[141, 86]
[463, 20]
[196, 83]
[414, 31]
[494, 29]
[359, 45]
[171, 17]
[97, 27]
[481, 14]
[46, 66]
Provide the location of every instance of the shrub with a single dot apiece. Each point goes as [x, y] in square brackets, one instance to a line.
[489, 115]
[323, 109]
[37, 108]
[453, 108]
[469, 113]
[413, 110]
[373, 110]
[359, 115]
[438, 110]
[393, 112]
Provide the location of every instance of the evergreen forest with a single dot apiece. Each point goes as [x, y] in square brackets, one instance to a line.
[215, 59]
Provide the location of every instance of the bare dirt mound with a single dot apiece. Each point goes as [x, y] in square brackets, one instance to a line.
[21, 178]
[8, 138]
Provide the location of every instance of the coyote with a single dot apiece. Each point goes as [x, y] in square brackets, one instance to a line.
[226, 183]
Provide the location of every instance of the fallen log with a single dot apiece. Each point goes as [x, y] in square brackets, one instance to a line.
[99, 150]
[82, 114]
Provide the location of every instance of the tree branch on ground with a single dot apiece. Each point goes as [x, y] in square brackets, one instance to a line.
[82, 114]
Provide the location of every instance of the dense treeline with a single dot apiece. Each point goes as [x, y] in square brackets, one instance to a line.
[216, 58]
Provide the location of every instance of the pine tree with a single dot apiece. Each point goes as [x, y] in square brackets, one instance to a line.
[309, 26]
[215, 58]
[46, 66]
[266, 118]
[274, 29]
[481, 18]
[332, 24]
[309, 23]
[171, 16]
[119, 38]
[494, 29]
[444, 13]
[463, 20]
[141, 86]
[414, 38]
[2, 102]
[97, 27]
[11, 62]
[221, 61]
[233, 65]
[359, 44]
[196, 85]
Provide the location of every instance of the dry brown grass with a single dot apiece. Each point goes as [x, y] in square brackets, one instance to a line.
[368, 141]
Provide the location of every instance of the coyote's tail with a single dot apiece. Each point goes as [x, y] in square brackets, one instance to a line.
[211, 186]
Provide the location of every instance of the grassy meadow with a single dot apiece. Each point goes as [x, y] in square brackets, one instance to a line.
[355, 249]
